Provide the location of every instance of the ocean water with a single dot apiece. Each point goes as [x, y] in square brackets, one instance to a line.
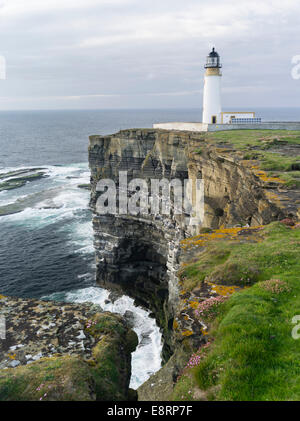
[46, 249]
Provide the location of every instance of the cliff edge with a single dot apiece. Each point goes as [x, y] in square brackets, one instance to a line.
[251, 179]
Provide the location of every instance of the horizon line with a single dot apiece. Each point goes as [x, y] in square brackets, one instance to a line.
[142, 109]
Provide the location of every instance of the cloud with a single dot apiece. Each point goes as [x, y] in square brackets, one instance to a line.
[10, 8]
[133, 50]
[205, 20]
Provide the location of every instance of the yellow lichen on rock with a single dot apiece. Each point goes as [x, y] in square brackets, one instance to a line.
[187, 333]
[223, 290]
[193, 304]
[175, 324]
[264, 177]
[218, 234]
[204, 331]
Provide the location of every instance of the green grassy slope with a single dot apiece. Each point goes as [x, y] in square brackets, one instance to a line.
[274, 151]
[251, 354]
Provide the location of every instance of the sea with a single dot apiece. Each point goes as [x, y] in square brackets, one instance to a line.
[46, 247]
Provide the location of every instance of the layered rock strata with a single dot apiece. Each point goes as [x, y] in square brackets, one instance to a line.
[140, 254]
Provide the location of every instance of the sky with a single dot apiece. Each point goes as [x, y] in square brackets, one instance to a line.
[102, 54]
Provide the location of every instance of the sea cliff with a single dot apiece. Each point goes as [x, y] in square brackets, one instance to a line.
[251, 178]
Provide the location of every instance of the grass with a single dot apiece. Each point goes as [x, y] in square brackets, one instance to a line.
[253, 355]
[194, 273]
[228, 259]
[291, 178]
[107, 324]
[184, 389]
[72, 378]
[266, 147]
[69, 380]
[242, 139]
[276, 162]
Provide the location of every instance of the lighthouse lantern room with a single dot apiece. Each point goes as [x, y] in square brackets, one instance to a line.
[212, 89]
[213, 118]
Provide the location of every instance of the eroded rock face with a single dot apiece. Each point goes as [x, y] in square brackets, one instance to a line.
[140, 255]
[235, 193]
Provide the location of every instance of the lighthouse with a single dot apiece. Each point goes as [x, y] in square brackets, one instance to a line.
[212, 110]
[213, 118]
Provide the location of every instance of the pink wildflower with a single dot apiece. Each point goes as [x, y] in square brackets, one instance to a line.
[208, 307]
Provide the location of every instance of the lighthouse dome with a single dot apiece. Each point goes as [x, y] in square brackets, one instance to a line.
[213, 60]
[213, 53]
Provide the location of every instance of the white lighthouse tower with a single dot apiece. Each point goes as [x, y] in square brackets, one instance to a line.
[213, 118]
[212, 89]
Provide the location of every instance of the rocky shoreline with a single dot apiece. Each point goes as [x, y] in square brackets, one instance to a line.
[63, 339]
[60, 351]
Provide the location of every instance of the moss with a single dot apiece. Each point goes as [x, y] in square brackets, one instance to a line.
[106, 323]
[106, 373]
[131, 341]
[104, 377]
[18, 172]
[17, 182]
[10, 185]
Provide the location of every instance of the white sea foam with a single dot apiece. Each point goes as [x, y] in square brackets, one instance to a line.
[72, 198]
[4, 200]
[85, 276]
[146, 360]
[64, 201]
[72, 174]
[67, 203]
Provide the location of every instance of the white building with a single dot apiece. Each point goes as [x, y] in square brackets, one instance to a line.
[213, 118]
[212, 108]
